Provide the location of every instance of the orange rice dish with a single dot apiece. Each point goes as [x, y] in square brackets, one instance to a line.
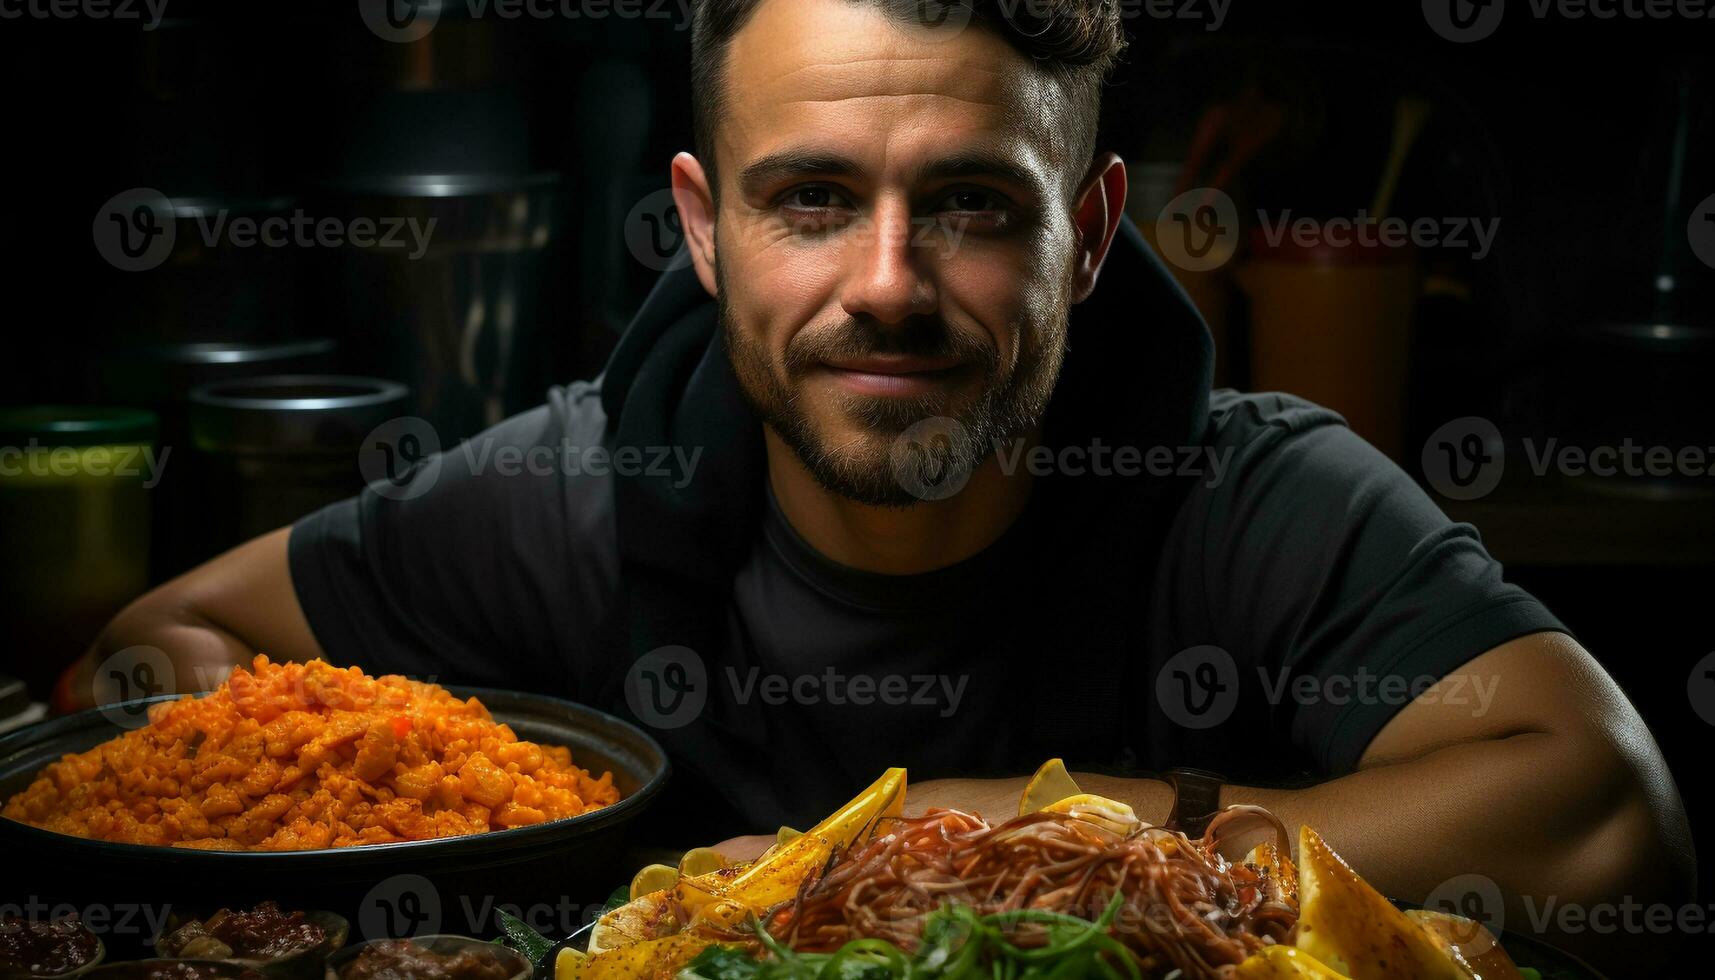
[287, 757]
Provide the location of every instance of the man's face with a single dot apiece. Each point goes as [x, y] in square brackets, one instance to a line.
[893, 239]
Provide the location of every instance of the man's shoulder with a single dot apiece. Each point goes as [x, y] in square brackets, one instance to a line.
[1239, 418]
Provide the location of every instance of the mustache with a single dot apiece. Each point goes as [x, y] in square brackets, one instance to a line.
[927, 337]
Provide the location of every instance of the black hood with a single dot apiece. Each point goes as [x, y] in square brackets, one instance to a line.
[1137, 372]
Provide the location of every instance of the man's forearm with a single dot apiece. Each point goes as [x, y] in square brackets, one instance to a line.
[1540, 817]
[195, 628]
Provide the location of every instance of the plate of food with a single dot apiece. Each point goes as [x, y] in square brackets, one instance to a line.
[310, 784]
[1072, 885]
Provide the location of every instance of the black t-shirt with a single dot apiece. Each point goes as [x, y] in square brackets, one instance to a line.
[1291, 601]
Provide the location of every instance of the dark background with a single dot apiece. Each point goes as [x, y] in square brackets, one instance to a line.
[1562, 128]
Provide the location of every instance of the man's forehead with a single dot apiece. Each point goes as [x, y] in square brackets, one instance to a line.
[844, 71]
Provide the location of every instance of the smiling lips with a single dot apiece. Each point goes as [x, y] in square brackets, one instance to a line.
[893, 374]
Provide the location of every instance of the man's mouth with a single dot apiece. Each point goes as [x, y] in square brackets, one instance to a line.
[896, 375]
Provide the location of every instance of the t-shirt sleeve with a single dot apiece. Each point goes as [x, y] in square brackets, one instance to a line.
[1329, 567]
[461, 571]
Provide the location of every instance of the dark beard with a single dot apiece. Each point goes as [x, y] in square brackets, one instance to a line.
[931, 445]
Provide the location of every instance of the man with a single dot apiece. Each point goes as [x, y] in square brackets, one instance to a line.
[886, 478]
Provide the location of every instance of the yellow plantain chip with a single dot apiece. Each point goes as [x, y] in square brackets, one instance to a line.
[1349, 926]
[1284, 963]
[1051, 784]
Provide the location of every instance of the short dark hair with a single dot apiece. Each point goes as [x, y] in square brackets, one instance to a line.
[1077, 42]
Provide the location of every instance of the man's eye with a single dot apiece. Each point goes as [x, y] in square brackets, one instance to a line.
[815, 198]
[970, 200]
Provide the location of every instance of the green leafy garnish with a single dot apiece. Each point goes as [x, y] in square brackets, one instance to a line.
[958, 944]
[524, 939]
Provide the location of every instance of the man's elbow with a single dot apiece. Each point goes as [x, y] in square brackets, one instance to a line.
[1636, 845]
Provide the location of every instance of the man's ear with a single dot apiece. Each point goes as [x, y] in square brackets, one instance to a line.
[696, 215]
[1096, 216]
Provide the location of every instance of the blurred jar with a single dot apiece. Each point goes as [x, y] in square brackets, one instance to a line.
[1333, 323]
[270, 450]
[160, 376]
[74, 516]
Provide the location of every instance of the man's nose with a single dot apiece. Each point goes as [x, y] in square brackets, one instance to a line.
[886, 279]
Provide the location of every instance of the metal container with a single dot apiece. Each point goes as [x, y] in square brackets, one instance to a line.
[451, 306]
[270, 450]
[160, 376]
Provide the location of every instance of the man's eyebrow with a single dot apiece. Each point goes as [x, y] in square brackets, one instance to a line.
[791, 164]
[978, 164]
[800, 164]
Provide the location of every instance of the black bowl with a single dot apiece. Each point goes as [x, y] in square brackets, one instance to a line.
[551, 871]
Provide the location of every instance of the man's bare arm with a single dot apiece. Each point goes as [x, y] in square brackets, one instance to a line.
[1552, 787]
[215, 616]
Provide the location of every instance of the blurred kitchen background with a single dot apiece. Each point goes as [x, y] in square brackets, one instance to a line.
[540, 149]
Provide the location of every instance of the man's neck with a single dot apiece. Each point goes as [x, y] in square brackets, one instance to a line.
[897, 540]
